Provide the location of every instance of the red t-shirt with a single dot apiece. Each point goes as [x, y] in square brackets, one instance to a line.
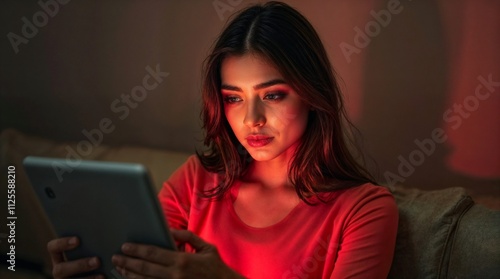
[353, 236]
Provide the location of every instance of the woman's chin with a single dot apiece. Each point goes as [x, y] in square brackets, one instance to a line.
[261, 156]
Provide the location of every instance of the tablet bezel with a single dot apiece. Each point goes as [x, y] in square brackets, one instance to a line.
[105, 204]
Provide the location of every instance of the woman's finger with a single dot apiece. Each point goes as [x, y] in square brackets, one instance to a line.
[195, 241]
[57, 247]
[69, 269]
[149, 253]
[128, 266]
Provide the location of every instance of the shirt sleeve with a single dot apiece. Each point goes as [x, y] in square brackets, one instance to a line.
[369, 238]
[175, 195]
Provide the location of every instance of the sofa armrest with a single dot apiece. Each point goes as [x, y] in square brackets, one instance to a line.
[444, 234]
[475, 251]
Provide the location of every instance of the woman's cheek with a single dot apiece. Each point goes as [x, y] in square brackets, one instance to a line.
[287, 114]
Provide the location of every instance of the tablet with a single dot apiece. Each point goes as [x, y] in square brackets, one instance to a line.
[105, 204]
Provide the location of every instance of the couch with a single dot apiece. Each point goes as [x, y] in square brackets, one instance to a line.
[442, 233]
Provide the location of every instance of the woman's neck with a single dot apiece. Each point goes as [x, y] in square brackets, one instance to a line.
[272, 174]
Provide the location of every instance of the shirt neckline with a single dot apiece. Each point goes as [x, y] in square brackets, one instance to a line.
[230, 204]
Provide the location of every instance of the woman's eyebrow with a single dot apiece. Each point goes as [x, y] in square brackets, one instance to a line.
[256, 87]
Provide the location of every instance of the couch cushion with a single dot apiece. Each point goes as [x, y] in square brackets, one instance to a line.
[427, 222]
[475, 250]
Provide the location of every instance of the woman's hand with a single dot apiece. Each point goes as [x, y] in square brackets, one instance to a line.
[146, 261]
[66, 269]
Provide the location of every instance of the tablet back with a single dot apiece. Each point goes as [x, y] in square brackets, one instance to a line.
[104, 204]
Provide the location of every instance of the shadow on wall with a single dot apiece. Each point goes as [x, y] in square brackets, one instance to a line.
[90, 57]
[405, 93]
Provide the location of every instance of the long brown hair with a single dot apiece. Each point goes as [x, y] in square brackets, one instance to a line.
[323, 161]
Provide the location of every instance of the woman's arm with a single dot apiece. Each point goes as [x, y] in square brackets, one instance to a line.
[368, 242]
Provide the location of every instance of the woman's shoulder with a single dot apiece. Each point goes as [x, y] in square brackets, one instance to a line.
[368, 192]
[369, 189]
[191, 174]
[365, 195]
[358, 191]
[192, 165]
[369, 199]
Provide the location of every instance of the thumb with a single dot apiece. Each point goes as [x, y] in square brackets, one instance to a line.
[185, 236]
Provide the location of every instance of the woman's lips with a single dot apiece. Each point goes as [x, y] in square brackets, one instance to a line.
[258, 141]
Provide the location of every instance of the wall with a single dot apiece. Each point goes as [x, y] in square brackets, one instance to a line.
[404, 76]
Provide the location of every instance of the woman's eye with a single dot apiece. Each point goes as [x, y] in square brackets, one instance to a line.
[231, 99]
[275, 96]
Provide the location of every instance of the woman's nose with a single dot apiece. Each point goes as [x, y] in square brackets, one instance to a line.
[255, 114]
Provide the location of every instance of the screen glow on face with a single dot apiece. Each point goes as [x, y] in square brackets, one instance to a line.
[265, 113]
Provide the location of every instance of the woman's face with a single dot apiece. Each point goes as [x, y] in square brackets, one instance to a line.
[265, 113]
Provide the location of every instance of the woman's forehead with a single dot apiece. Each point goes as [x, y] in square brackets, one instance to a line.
[248, 68]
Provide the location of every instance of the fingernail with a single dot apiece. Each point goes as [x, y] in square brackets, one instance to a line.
[93, 262]
[72, 241]
[114, 259]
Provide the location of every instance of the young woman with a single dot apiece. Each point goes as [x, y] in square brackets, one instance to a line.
[279, 193]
